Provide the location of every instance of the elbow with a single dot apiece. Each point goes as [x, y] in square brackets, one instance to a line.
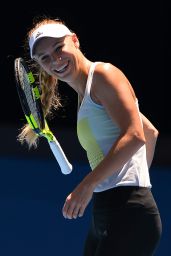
[139, 139]
[154, 132]
[136, 138]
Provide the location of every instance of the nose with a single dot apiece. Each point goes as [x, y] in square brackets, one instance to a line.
[56, 59]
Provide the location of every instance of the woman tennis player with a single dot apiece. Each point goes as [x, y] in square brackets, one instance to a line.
[118, 139]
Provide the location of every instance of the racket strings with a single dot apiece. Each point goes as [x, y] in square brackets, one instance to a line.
[29, 95]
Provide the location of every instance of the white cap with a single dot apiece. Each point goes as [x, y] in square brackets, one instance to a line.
[55, 30]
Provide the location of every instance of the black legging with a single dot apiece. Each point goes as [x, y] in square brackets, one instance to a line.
[125, 222]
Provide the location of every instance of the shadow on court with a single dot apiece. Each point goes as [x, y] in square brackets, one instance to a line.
[32, 193]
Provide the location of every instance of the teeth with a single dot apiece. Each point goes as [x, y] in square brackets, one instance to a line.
[61, 68]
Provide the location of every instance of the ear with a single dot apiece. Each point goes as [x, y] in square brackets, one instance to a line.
[75, 40]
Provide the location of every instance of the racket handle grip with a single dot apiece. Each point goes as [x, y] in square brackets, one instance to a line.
[66, 167]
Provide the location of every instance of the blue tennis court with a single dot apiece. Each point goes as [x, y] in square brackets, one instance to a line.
[32, 193]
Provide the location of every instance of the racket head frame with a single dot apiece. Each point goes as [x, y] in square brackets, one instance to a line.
[19, 63]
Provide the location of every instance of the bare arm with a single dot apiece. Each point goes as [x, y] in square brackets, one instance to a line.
[151, 135]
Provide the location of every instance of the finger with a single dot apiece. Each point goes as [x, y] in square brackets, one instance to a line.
[66, 206]
[64, 210]
[81, 210]
[76, 211]
[68, 210]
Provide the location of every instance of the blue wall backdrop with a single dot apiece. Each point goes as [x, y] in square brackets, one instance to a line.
[32, 193]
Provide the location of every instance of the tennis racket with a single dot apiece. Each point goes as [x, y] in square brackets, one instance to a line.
[29, 96]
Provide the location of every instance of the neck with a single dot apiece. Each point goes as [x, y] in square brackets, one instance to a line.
[79, 83]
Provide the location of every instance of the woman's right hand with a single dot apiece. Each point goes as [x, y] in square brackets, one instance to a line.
[77, 201]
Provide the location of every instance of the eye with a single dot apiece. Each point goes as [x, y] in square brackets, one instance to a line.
[58, 48]
[44, 58]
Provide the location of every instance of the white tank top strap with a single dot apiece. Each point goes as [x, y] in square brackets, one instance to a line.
[88, 84]
[90, 77]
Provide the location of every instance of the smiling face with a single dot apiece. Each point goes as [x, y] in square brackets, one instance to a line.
[58, 56]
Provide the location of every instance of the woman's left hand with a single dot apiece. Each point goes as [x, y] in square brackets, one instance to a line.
[77, 201]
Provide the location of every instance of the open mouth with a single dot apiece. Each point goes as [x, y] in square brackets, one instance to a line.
[62, 69]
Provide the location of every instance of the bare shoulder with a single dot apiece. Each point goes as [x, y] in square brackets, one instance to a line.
[105, 67]
[108, 73]
[109, 79]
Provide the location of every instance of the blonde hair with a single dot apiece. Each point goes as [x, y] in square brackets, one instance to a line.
[49, 96]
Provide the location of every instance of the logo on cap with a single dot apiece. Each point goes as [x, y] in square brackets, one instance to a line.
[38, 34]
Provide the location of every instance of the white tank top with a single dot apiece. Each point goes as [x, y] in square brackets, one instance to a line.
[97, 133]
